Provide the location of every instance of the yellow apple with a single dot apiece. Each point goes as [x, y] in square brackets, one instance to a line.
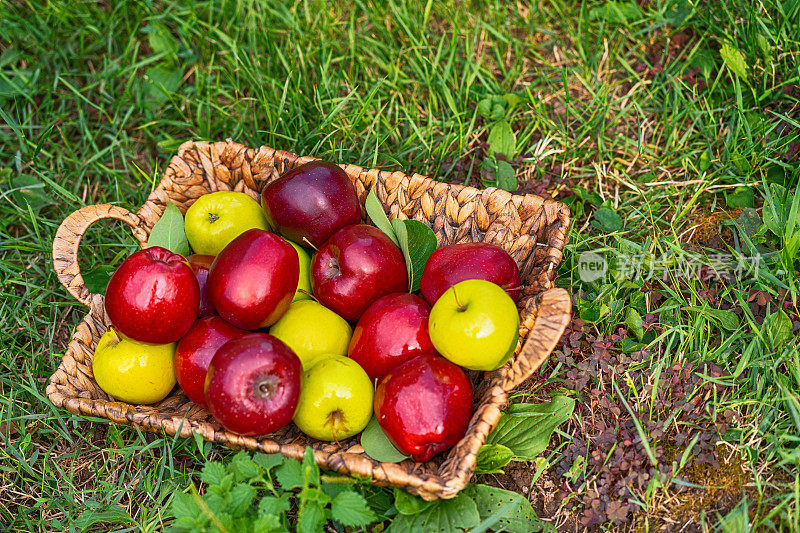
[312, 330]
[215, 219]
[304, 283]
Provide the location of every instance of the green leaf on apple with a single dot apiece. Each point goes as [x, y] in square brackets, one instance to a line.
[378, 446]
[492, 458]
[169, 232]
[526, 428]
[378, 216]
[417, 241]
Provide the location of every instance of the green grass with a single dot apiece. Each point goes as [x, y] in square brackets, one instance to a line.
[642, 107]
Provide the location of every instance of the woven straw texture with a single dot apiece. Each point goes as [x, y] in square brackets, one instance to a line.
[530, 228]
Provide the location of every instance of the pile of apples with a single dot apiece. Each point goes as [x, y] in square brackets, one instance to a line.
[262, 332]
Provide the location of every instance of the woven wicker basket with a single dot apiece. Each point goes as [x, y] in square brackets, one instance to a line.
[530, 228]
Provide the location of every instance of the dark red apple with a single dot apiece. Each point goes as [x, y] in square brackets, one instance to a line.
[424, 406]
[253, 279]
[153, 296]
[454, 263]
[195, 351]
[355, 267]
[253, 384]
[312, 201]
[391, 331]
[200, 265]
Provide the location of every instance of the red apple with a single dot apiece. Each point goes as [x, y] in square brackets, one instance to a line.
[253, 279]
[424, 406]
[391, 331]
[311, 202]
[253, 384]
[355, 267]
[153, 296]
[200, 265]
[195, 351]
[454, 263]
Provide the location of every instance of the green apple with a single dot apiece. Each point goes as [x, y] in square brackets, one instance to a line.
[475, 324]
[215, 219]
[335, 399]
[312, 331]
[131, 371]
[304, 283]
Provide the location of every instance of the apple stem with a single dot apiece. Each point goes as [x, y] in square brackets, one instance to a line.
[461, 308]
[308, 294]
[311, 245]
[334, 418]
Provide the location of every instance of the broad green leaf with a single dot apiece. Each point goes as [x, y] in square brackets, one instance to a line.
[351, 509]
[512, 100]
[378, 446]
[243, 467]
[90, 517]
[734, 60]
[444, 516]
[526, 428]
[275, 505]
[741, 197]
[96, 279]
[290, 474]
[503, 510]
[311, 517]
[310, 468]
[159, 82]
[169, 232]
[409, 504]
[492, 107]
[607, 220]
[378, 216]
[502, 139]
[421, 242]
[268, 461]
[778, 327]
[634, 322]
[506, 176]
[213, 473]
[267, 523]
[241, 498]
[492, 458]
[184, 506]
[616, 12]
[727, 319]
[26, 189]
[161, 41]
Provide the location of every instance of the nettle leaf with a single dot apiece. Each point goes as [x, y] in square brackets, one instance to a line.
[444, 516]
[378, 446]
[506, 176]
[241, 498]
[503, 510]
[502, 139]
[243, 467]
[409, 504]
[268, 524]
[184, 506]
[169, 232]
[734, 60]
[607, 220]
[213, 473]
[275, 505]
[96, 279]
[290, 474]
[421, 243]
[492, 458]
[312, 510]
[526, 428]
[378, 216]
[268, 461]
[351, 509]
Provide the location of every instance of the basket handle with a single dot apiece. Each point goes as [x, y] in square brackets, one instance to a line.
[553, 315]
[68, 237]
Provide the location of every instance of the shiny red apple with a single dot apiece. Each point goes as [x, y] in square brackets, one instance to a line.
[153, 296]
[454, 263]
[355, 267]
[200, 265]
[195, 351]
[424, 406]
[391, 331]
[253, 384]
[311, 202]
[253, 279]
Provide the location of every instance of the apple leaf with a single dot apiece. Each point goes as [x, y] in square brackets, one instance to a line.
[378, 216]
[96, 279]
[378, 446]
[504, 510]
[444, 516]
[169, 232]
[417, 242]
[526, 428]
[492, 458]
